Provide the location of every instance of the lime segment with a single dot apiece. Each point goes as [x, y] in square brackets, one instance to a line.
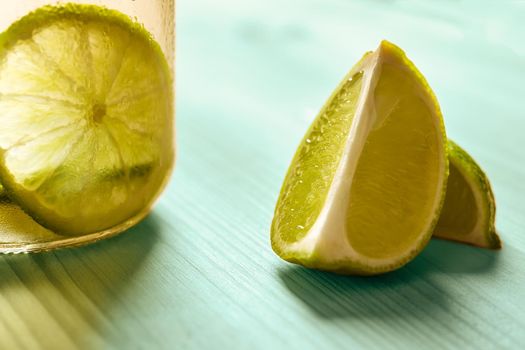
[395, 183]
[308, 179]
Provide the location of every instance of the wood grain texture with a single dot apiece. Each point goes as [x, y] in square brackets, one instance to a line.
[199, 272]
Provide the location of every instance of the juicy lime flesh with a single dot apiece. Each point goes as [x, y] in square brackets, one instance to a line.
[83, 99]
[394, 187]
[459, 214]
[312, 170]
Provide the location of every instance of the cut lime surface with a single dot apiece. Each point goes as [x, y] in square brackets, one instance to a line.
[85, 102]
[469, 211]
[364, 190]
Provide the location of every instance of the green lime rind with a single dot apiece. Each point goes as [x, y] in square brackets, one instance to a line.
[24, 29]
[486, 236]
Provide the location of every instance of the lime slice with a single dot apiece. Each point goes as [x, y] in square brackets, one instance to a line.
[85, 93]
[469, 210]
[365, 188]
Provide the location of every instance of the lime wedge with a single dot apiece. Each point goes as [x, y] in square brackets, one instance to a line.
[85, 93]
[469, 210]
[365, 188]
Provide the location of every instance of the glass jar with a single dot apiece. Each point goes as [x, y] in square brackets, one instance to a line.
[19, 233]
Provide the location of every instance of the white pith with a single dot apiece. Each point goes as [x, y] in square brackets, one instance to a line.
[327, 238]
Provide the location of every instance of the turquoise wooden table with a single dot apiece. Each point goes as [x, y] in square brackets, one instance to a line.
[199, 272]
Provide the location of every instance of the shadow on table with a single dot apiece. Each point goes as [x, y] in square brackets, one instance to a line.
[76, 288]
[408, 292]
[451, 257]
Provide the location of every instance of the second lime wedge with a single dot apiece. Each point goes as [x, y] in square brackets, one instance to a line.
[469, 210]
